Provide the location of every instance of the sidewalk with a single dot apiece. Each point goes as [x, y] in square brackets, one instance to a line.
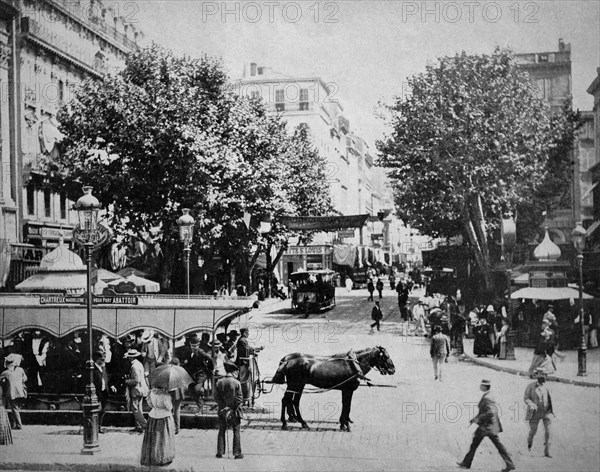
[566, 369]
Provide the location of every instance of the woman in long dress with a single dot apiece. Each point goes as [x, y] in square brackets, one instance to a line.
[501, 339]
[5, 432]
[483, 343]
[158, 447]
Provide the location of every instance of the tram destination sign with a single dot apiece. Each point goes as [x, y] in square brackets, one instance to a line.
[82, 300]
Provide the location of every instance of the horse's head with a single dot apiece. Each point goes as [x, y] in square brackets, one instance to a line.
[383, 362]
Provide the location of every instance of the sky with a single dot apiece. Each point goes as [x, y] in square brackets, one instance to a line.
[365, 49]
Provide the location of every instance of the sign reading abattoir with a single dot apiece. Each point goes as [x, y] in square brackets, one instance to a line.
[323, 223]
[81, 300]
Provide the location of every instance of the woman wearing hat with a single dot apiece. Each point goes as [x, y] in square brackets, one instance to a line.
[158, 446]
[544, 349]
[14, 379]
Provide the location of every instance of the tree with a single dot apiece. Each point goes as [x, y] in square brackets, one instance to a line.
[469, 143]
[168, 133]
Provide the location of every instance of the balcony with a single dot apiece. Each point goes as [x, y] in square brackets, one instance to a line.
[56, 44]
[95, 23]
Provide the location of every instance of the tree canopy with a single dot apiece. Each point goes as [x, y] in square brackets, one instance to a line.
[470, 142]
[168, 133]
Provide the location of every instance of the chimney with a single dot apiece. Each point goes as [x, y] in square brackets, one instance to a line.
[561, 45]
[253, 69]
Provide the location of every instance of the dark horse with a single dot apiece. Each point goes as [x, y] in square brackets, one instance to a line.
[338, 372]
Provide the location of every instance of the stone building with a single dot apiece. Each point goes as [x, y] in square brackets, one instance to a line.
[47, 48]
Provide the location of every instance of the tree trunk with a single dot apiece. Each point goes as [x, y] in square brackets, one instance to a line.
[268, 272]
[474, 224]
[168, 264]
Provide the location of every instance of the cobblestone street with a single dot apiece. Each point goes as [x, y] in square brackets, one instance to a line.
[408, 422]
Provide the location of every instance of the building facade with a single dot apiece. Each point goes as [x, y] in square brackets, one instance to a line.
[356, 185]
[47, 48]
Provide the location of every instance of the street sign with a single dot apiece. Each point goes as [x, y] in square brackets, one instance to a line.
[81, 300]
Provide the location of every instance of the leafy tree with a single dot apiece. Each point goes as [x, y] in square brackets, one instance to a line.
[168, 133]
[471, 142]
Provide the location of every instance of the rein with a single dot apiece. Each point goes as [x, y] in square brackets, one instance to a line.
[322, 390]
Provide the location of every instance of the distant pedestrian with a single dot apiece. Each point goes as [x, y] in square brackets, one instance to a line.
[137, 389]
[5, 431]
[439, 350]
[229, 398]
[543, 351]
[392, 281]
[101, 385]
[500, 348]
[482, 346]
[379, 286]
[539, 407]
[376, 316]
[16, 391]
[349, 284]
[370, 289]
[158, 446]
[488, 424]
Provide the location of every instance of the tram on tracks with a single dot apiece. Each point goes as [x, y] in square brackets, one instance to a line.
[49, 332]
[313, 290]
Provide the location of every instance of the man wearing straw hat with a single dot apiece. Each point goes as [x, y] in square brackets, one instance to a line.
[229, 398]
[137, 389]
[539, 407]
[488, 424]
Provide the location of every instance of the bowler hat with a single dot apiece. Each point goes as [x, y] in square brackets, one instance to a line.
[233, 332]
[487, 383]
[194, 340]
[244, 330]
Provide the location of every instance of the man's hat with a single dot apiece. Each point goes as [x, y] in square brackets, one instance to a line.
[233, 332]
[147, 336]
[540, 372]
[132, 353]
[489, 308]
[194, 340]
[216, 344]
[551, 317]
[244, 330]
[487, 383]
[230, 366]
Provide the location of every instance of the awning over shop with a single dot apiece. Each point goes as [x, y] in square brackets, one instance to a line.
[172, 316]
[548, 293]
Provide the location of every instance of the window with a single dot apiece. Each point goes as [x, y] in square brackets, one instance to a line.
[261, 70]
[47, 203]
[63, 206]
[254, 94]
[279, 100]
[30, 199]
[61, 91]
[303, 99]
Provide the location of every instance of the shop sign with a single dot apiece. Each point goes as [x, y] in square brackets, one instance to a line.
[301, 250]
[349, 233]
[46, 232]
[82, 300]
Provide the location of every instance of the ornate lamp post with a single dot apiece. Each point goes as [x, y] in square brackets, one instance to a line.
[89, 235]
[186, 232]
[578, 236]
[509, 241]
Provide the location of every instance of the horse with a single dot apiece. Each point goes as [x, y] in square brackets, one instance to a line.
[338, 372]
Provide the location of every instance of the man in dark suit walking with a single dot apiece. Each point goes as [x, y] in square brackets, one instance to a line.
[376, 316]
[539, 407]
[488, 424]
[228, 395]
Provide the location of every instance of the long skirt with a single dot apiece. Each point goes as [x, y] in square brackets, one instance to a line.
[5, 432]
[545, 363]
[158, 447]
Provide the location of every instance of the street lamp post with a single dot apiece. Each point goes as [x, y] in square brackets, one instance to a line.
[88, 235]
[578, 236]
[186, 232]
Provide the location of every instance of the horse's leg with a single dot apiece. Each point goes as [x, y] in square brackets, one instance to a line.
[346, 404]
[285, 401]
[292, 418]
[296, 401]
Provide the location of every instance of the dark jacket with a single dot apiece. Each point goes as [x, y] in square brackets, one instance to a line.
[487, 419]
[376, 313]
[228, 393]
[379, 285]
[440, 346]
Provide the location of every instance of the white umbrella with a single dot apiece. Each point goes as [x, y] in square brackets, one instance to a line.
[148, 285]
[548, 293]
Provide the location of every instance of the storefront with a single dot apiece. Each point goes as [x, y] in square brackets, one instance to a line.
[305, 258]
[45, 234]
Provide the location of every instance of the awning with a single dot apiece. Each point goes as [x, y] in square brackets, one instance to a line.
[149, 285]
[344, 255]
[548, 293]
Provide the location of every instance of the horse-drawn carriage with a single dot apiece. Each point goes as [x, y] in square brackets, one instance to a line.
[313, 290]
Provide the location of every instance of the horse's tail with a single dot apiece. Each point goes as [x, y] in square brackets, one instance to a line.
[279, 377]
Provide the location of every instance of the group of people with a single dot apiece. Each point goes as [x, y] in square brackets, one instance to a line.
[489, 328]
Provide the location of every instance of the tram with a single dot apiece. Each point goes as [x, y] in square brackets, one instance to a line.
[313, 290]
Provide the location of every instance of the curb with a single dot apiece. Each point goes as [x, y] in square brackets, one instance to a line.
[522, 373]
[72, 467]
